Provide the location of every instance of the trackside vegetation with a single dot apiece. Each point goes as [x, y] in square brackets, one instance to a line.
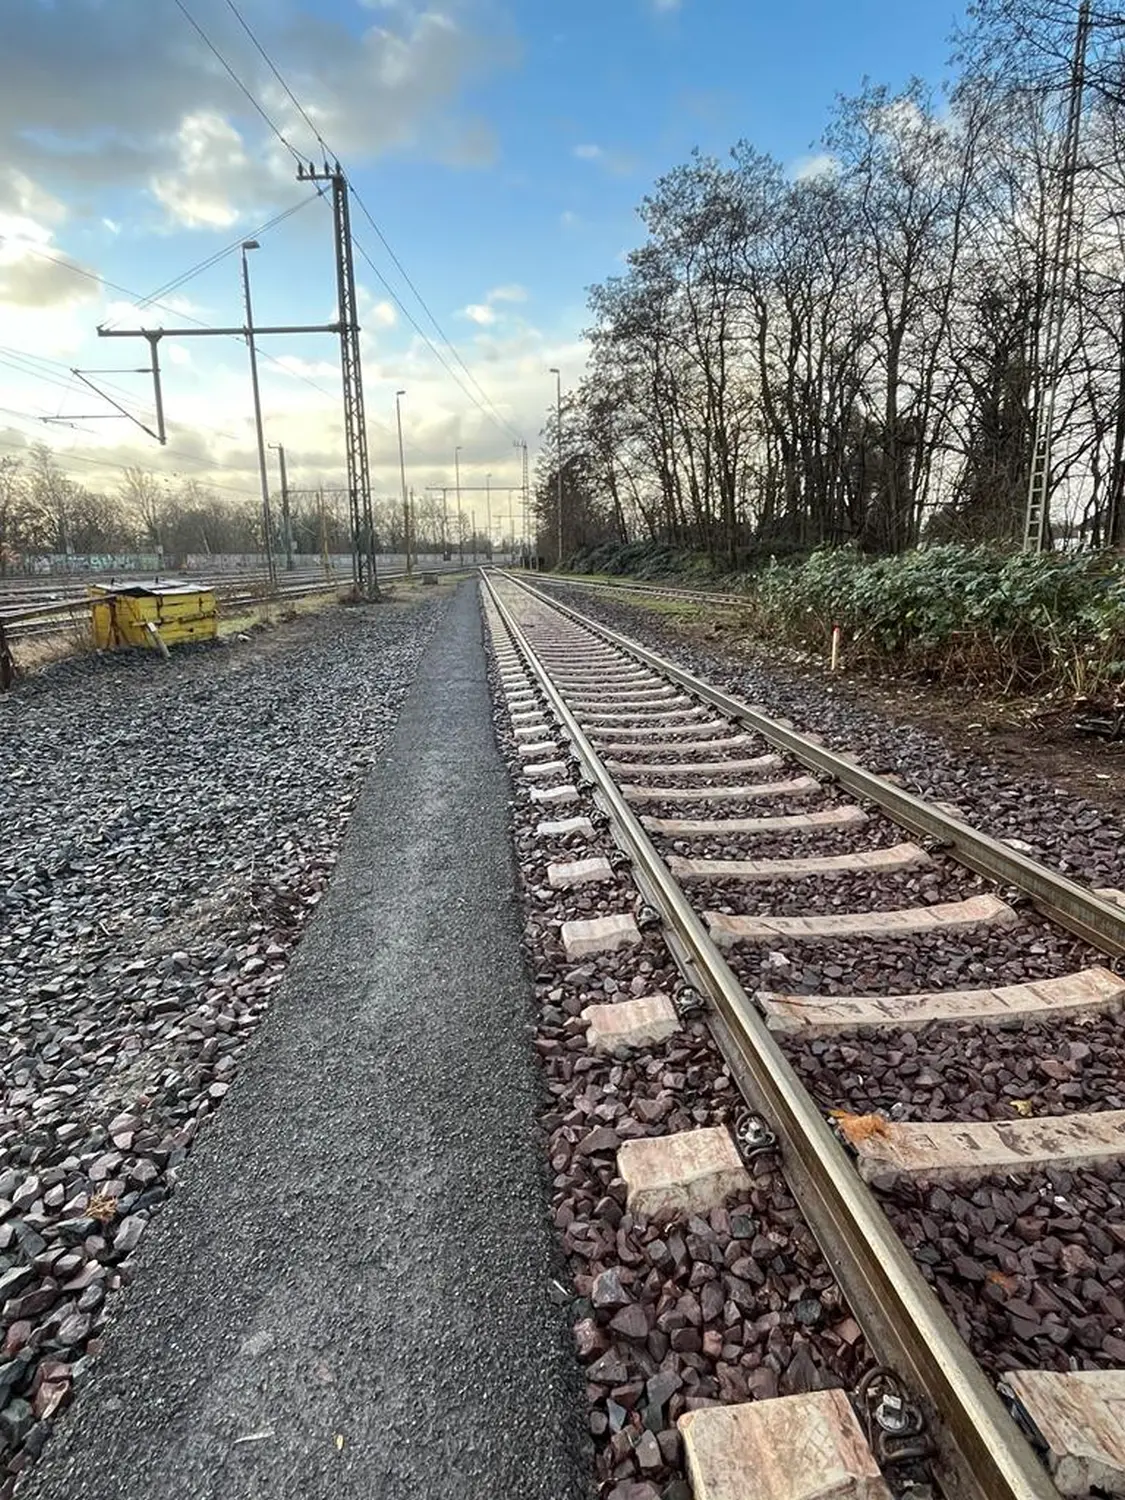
[1048, 623]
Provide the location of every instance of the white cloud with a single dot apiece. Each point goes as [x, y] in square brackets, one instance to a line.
[382, 315]
[818, 164]
[34, 272]
[479, 312]
[485, 313]
[665, 5]
[310, 369]
[27, 199]
[75, 112]
[619, 163]
[198, 193]
[32, 281]
[568, 218]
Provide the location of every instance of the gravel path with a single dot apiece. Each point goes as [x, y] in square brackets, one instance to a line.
[1065, 831]
[169, 828]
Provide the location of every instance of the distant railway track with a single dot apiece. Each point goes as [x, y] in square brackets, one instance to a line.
[22, 619]
[693, 785]
[19, 595]
[717, 597]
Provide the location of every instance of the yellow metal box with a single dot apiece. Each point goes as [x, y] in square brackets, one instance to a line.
[148, 614]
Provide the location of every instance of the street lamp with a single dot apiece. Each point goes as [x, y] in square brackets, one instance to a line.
[286, 529]
[488, 510]
[460, 527]
[558, 412]
[522, 446]
[402, 476]
[263, 476]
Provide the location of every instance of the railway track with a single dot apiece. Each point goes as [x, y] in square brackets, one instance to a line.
[24, 618]
[715, 597]
[18, 596]
[26, 593]
[921, 1017]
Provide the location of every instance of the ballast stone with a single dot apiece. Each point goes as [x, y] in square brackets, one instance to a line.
[599, 935]
[578, 872]
[1081, 1416]
[630, 1023]
[788, 1448]
[693, 1171]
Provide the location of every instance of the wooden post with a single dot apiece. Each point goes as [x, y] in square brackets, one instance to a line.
[7, 664]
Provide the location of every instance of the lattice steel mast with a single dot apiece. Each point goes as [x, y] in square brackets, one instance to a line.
[1038, 514]
[364, 571]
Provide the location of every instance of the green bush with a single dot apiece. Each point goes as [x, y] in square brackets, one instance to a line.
[1050, 622]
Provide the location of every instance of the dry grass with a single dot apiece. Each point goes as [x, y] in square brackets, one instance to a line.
[33, 653]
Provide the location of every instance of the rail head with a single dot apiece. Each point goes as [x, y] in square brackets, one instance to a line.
[982, 1453]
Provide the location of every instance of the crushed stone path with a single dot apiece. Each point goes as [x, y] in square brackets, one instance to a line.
[349, 1294]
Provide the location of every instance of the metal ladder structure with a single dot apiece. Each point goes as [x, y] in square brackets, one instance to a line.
[1037, 518]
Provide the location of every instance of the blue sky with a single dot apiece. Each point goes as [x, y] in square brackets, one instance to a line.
[502, 147]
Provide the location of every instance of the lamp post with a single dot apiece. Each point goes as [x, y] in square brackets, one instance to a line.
[460, 528]
[402, 476]
[488, 510]
[524, 543]
[286, 529]
[263, 476]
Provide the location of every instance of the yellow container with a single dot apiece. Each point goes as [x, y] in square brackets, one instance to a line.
[152, 614]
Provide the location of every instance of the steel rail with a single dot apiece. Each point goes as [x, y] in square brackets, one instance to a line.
[705, 596]
[28, 620]
[1065, 901]
[34, 600]
[981, 1452]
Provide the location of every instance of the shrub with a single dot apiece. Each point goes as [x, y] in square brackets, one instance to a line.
[1048, 622]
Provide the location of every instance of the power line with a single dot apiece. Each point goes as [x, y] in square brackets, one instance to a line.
[422, 334]
[238, 81]
[73, 424]
[136, 297]
[108, 463]
[493, 410]
[269, 62]
[483, 401]
[9, 358]
[212, 260]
